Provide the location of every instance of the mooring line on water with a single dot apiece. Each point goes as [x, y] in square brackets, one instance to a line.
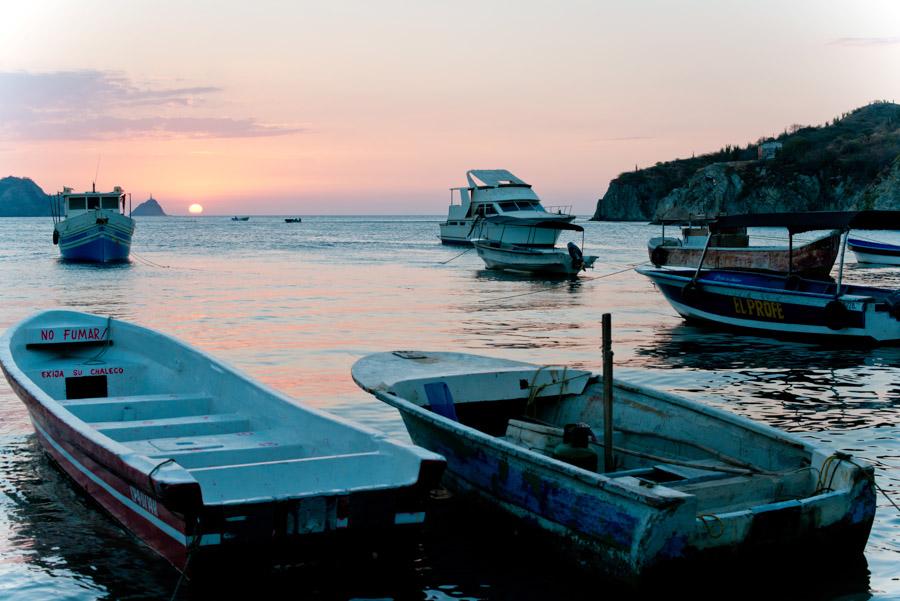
[457, 256]
[586, 280]
[148, 262]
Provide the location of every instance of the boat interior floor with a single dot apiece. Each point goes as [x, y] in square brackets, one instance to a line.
[719, 487]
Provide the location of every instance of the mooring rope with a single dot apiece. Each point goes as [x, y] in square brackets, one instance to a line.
[457, 256]
[146, 261]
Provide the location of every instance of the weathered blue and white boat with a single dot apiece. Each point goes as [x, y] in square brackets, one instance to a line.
[198, 460]
[784, 304]
[499, 192]
[92, 226]
[686, 481]
[869, 251]
[500, 253]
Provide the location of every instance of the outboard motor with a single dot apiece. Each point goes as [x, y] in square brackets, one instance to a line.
[574, 447]
[576, 254]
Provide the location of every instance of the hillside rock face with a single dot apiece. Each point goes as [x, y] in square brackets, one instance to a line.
[21, 197]
[852, 163]
[148, 208]
[884, 193]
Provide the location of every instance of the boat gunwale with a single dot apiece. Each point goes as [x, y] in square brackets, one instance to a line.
[677, 275]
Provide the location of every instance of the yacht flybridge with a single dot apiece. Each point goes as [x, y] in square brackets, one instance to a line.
[497, 192]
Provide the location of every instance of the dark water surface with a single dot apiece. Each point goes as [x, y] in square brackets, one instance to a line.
[294, 305]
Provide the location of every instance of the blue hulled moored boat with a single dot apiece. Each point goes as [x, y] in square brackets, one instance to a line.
[784, 304]
[869, 251]
[92, 226]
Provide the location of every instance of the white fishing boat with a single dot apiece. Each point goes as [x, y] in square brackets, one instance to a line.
[500, 253]
[240, 218]
[92, 226]
[497, 192]
[679, 484]
[198, 460]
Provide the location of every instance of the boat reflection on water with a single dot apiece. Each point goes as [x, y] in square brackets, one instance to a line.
[44, 513]
[789, 385]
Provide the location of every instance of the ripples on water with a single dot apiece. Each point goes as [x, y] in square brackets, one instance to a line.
[294, 305]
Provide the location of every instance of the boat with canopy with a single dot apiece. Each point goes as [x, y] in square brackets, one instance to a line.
[786, 304]
[731, 249]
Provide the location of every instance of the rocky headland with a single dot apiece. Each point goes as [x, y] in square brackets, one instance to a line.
[851, 163]
[21, 197]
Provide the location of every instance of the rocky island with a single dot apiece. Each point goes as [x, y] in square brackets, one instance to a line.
[851, 163]
[148, 208]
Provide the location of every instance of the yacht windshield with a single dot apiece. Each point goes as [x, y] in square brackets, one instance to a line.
[520, 205]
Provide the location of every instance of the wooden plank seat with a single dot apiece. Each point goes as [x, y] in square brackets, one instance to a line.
[220, 423]
[138, 407]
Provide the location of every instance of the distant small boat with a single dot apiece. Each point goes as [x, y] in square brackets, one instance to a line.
[867, 251]
[197, 459]
[732, 250]
[236, 218]
[292, 220]
[92, 226]
[688, 482]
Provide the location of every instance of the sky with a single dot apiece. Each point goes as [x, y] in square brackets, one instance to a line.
[347, 107]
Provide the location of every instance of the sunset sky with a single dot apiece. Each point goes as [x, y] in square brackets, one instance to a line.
[379, 107]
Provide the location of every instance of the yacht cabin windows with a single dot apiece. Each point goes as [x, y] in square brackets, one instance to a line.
[520, 205]
[77, 204]
[110, 203]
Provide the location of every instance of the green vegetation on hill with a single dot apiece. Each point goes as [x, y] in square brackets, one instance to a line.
[21, 197]
[817, 168]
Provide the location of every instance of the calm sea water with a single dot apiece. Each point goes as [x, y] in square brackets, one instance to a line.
[294, 305]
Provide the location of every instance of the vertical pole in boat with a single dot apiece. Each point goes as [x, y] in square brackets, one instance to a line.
[608, 463]
[837, 291]
[702, 256]
[790, 252]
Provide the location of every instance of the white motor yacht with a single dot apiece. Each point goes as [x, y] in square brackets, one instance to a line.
[497, 192]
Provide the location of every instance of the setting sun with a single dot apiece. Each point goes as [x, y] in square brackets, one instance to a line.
[195, 209]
